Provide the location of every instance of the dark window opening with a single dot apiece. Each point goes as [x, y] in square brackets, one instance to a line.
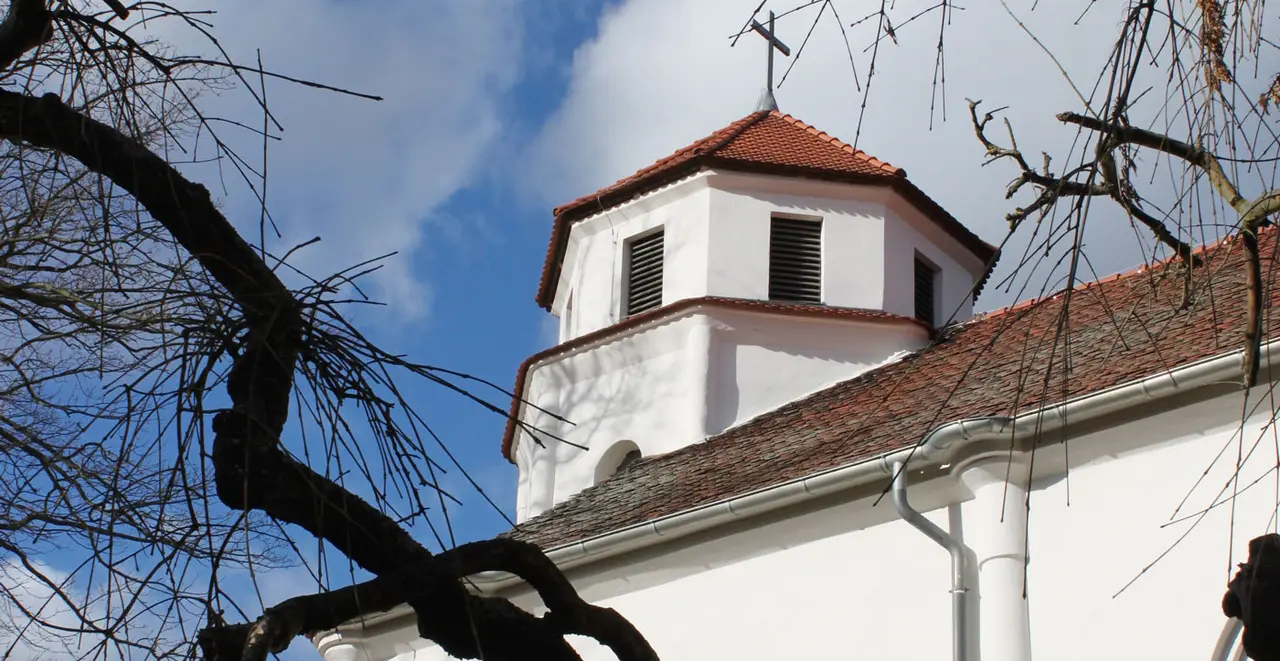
[617, 460]
[644, 273]
[630, 458]
[795, 260]
[926, 282]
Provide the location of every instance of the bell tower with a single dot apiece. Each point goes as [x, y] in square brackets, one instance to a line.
[750, 269]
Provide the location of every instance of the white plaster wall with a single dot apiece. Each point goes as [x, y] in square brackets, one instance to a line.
[838, 596]
[760, 362]
[852, 240]
[1095, 528]
[592, 273]
[608, 394]
[870, 235]
[680, 381]
[906, 233]
[716, 243]
[850, 580]
[847, 582]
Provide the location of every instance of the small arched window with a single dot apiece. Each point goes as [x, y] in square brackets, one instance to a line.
[616, 459]
[627, 460]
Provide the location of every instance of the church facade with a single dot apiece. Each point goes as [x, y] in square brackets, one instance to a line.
[774, 427]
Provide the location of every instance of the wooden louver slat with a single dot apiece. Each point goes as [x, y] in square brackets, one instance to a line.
[644, 273]
[795, 260]
[925, 275]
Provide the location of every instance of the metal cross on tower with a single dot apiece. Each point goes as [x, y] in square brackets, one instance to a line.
[767, 102]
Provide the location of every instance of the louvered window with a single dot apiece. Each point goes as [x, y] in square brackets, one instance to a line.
[795, 260]
[644, 273]
[925, 278]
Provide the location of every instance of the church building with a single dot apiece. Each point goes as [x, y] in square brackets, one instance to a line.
[775, 428]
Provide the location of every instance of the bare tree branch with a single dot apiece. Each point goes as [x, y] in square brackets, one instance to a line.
[1252, 212]
[251, 469]
[224, 318]
[27, 25]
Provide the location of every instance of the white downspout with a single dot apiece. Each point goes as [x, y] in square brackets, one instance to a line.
[959, 562]
[698, 353]
[995, 530]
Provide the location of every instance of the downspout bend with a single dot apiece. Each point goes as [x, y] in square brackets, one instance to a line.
[959, 561]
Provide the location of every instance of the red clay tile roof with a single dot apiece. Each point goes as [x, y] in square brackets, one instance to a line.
[994, 365]
[766, 307]
[765, 142]
[785, 140]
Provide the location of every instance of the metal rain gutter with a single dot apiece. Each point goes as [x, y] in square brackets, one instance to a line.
[959, 562]
[937, 448]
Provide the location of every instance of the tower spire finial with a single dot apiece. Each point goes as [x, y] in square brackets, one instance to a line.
[767, 101]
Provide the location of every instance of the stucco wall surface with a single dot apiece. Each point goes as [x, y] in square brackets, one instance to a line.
[848, 580]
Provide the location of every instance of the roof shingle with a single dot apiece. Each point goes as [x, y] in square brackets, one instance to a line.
[1112, 331]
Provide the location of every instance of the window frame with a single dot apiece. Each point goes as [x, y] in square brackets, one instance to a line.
[919, 261]
[798, 270]
[628, 261]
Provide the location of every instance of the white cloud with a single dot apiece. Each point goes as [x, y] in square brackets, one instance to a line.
[35, 621]
[660, 74]
[49, 613]
[368, 177]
